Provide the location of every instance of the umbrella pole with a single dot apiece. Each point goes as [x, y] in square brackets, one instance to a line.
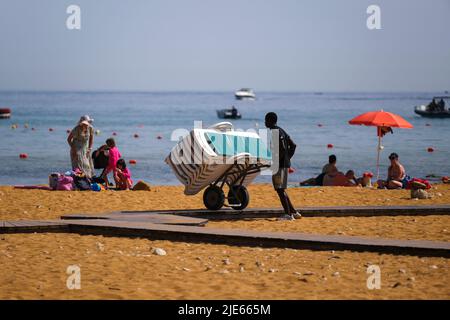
[378, 157]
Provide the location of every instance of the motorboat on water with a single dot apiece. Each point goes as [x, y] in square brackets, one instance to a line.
[435, 109]
[232, 113]
[245, 93]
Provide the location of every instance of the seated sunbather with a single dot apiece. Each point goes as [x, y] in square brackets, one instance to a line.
[341, 180]
[396, 174]
[328, 169]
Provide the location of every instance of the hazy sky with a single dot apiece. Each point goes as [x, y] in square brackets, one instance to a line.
[204, 45]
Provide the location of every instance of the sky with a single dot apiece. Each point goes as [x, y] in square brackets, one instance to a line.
[212, 45]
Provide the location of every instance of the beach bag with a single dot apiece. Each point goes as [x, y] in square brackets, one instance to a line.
[101, 160]
[53, 180]
[96, 179]
[96, 187]
[82, 183]
[65, 183]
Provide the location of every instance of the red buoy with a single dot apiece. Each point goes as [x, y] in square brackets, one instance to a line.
[5, 113]
[159, 137]
[132, 161]
[430, 149]
[50, 129]
[330, 146]
[114, 134]
[23, 156]
[136, 135]
[291, 170]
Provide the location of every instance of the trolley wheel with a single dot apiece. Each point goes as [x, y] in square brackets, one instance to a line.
[213, 198]
[238, 197]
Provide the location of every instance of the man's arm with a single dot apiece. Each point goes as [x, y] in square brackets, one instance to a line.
[291, 147]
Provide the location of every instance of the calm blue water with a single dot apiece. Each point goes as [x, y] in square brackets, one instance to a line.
[153, 114]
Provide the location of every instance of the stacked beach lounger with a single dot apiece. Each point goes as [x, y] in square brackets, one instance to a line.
[218, 156]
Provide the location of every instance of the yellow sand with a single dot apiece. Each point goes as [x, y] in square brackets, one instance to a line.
[34, 265]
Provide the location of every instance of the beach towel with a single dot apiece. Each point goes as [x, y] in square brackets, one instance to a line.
[32, 187]
[411, 182]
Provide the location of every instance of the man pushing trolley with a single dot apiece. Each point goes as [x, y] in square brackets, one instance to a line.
[210, 159]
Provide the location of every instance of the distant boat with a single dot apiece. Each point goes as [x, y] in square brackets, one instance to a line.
[229, 114]
[434, 110]
[245, 93]
[5, 113]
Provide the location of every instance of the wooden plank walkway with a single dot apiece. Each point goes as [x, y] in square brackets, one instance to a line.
[133, 228]
[151, 217]
[259, 239]
[342, 211]
[26, 226]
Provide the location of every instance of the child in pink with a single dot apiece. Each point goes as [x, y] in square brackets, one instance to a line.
[122, 176]
[114, 156]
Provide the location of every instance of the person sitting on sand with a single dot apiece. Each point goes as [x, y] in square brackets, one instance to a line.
[396, 174]
[341, 180]
[328, 169]
[114, 156]
[352, 180]
[122, 176]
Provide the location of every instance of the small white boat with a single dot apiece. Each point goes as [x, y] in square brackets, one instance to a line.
[245, 93]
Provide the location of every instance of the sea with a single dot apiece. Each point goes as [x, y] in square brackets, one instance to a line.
[314, 120]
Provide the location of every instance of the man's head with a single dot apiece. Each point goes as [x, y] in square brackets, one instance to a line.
[271, 119]
[332, 159]
[393, 157]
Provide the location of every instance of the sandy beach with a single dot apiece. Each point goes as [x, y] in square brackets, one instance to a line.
[34, 265]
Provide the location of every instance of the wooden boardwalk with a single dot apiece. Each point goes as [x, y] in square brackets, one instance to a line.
[151, 217]
[183, 233]
[259, 239]
[24, 226]
[345, 211]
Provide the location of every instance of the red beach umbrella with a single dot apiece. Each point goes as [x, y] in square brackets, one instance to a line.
[384, 121]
